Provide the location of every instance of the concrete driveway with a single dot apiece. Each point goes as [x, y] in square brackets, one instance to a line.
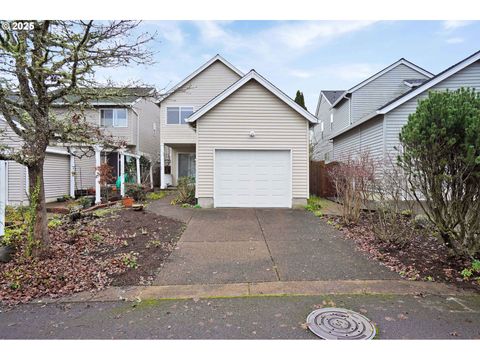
[258, 245]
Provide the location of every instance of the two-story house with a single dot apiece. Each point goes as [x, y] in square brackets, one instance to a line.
[338, 111]
[71, 169]
[369, 117]
[245, 141]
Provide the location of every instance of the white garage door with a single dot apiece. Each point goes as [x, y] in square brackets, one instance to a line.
[252, 178]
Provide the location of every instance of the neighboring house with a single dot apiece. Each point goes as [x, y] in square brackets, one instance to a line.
[245, 142]
[378, 131]
[71, 170]
[341, 110]
[321, 146]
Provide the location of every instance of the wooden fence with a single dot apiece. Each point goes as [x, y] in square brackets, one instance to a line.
[320, 181]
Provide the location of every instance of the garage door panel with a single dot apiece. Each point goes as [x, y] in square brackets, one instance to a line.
[252, 178]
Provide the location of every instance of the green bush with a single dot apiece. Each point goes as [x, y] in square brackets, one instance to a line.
[441, 158]
[185, 191]
[157, 195]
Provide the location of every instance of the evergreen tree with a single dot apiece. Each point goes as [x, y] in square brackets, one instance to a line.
[300, 100]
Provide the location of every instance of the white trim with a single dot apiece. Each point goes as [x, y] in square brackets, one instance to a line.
[98, 162]
[402, 61]
[320, 101]
[258, 149]
[199, 71]
[179, 114]
[3, 195]
[425, 86]
[72, 175]
[162, 166]
[114, 118]
[51, 150]
[354, 125]
[252, 75]
[122, 172]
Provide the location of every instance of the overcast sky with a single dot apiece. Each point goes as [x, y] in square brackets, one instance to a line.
[305, 55]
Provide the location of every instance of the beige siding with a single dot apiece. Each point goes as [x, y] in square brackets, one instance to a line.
[196, 93]
[276, 126]
[85, 172]
[56, 176]
[149, 127]
[16, 177]
[128, 134]
[56, 179]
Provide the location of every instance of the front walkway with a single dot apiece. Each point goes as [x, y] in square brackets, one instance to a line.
[223, 246]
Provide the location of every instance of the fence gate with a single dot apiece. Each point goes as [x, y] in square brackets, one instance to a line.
[3, 196]
[320, 181]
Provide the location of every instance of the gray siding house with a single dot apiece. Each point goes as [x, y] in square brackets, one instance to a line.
[341, 110]
[378, 131]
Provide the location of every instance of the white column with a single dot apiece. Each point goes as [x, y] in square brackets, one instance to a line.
[122, 172]
[162, 166]
[139, 180]
[98, 197]
[72, 173]
[151, 176]
[3, 196]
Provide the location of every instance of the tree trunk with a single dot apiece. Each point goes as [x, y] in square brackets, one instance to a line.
[39, 232]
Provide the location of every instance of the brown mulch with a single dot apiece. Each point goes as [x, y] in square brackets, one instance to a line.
[150, 237]
[423, 257]
[91, 254]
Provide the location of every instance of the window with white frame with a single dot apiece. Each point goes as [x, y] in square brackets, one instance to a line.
[331, 121]
[178, 114]
[321, 128]
[113, 118]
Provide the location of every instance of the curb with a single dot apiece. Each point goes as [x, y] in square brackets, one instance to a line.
[276, 288]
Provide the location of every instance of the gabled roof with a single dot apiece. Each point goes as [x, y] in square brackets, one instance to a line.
[332, 95]
[429, 83]
[252, 75]
[413, 92]
[199, 71]
[401, 61]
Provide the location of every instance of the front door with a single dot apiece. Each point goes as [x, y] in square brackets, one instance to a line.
[186, 165]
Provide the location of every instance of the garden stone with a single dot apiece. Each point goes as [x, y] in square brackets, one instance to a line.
[6, 253]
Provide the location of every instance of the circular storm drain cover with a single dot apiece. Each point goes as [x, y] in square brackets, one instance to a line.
[340, 324]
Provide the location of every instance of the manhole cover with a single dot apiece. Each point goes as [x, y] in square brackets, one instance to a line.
[340, 324]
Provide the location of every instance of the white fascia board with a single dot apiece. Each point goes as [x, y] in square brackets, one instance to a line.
[52, 150]
[384, 71]
[260, 79]
[430, 83]
[200, 70]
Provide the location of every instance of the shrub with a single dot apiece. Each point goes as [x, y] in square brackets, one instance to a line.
[136, 191]
[85, 202]
[157, 195]
[185, 191]
[352, 178]
[441, 157]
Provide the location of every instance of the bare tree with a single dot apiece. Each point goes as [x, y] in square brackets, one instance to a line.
[54, 64]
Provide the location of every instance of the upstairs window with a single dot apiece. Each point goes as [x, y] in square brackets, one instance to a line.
[321, 128]
[113, 118]
[331, 121]
[177, 114]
